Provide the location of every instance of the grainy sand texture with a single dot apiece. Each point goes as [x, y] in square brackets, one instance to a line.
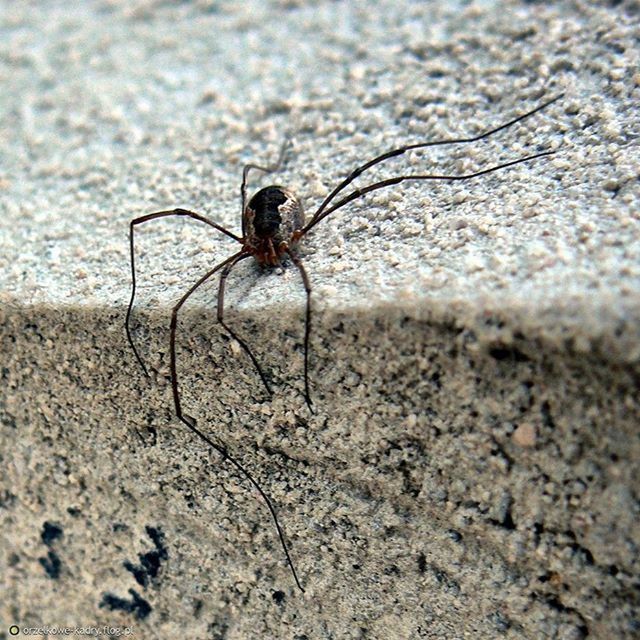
[471, 467]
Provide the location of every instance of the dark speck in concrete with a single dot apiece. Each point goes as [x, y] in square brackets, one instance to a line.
[151, 560]
[51, 564]
[422, 563]
[137, 605]
[50, 532]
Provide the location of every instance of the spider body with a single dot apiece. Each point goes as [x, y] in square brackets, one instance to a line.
[271, 224]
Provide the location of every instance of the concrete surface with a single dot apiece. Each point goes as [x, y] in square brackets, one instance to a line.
[472, 467]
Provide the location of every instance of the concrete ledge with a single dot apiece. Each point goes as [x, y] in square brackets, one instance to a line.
[472, 468]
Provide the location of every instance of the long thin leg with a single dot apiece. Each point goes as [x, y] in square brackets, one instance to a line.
[233, 334]
[268, 169]
[358, 193]
[307, 325]
[147, 218]
[191, 423]
[398, 152]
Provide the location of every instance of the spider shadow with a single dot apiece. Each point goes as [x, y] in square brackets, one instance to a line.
[249, 310]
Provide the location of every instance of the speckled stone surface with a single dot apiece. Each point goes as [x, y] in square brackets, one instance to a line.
[471, 470]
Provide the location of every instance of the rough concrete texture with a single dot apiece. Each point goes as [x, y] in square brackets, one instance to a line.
[471, 470]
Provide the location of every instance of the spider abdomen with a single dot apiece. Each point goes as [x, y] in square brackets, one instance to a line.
[266, 208]
[270, 219]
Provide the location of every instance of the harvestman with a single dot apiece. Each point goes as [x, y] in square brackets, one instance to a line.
[273, 224]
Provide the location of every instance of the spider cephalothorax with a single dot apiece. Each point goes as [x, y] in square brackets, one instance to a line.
[271, 223]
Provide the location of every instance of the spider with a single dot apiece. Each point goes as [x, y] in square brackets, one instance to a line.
[273, 224]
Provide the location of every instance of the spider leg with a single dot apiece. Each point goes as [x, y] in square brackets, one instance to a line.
[358, 193]
[147, 218]
[318, 215]
[233, 334]
[272, 168]
[307, 325]
[191, 423]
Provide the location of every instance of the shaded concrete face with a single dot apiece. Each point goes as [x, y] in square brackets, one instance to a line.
[472, 465]
[480, 486]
